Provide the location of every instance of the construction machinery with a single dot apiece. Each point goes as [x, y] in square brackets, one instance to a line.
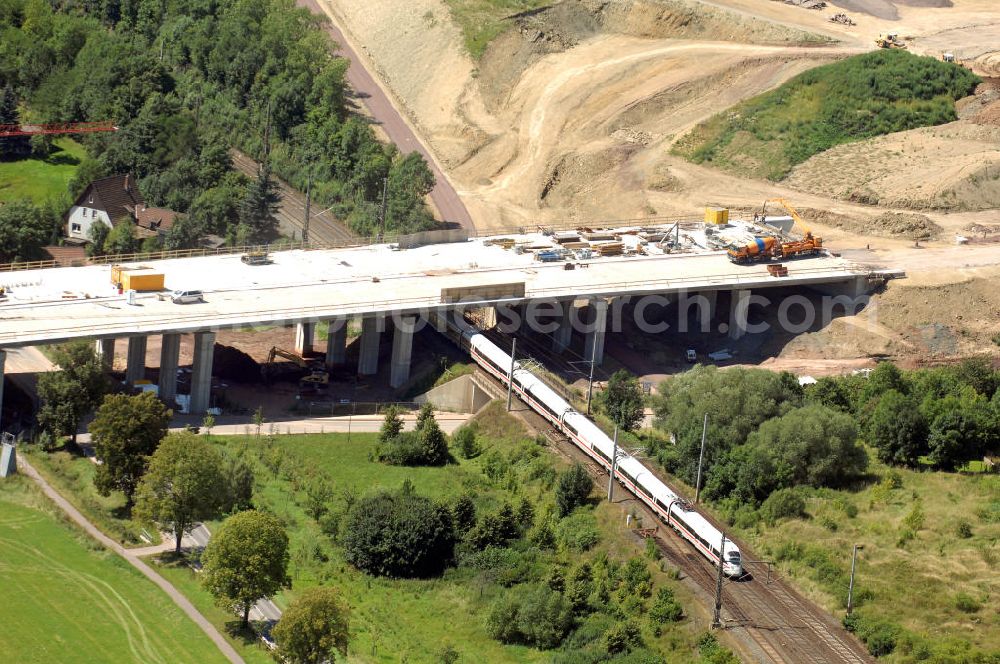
[256, 257]
[890, 40]
[772, 247]
[269, 370]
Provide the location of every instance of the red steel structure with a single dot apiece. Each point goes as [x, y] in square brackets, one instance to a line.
[55, 128]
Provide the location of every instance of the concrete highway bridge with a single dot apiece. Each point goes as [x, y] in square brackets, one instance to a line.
[378, 284]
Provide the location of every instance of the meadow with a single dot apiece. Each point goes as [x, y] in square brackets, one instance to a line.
[41, 180]
[66, 599]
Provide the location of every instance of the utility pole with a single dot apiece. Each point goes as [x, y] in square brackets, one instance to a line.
[510, 374]
[305, 222]
[614, 462]
[381, 213]
[717, 619]
[590, 385]
[701, 457]
[850, 587]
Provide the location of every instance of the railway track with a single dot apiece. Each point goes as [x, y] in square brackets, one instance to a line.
[324, 228]
[773, 623]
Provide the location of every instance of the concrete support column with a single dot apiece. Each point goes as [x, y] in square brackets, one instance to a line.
[170, 354]
[136, 368]
[370, 339]
[594, 345]
[105, 349]
[201, 371]
[713, 298]
[304, 335]
[402, 349]
[336, 342]
[738, 309]
[3, 361]
[564, 333]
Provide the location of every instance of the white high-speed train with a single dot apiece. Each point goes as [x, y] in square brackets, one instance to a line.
[671, 509]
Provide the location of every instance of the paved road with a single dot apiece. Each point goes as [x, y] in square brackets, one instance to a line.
[445, 197]
[323, 226]
[130, 556]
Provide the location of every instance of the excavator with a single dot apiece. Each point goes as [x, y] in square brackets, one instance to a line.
[771, 247]
[317, 378]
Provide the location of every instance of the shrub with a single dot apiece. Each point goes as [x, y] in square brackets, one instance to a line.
[464, 440]
[665, 608]
[399, 534]
[622, 637]
[496, 529]
[463, 514]
[879, 635]
[966, 603]
[963, 529]
[573, 489]
[783, 504]
[535, 616]
[578, 532]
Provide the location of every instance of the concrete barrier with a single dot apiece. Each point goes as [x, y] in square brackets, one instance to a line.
[461, 395]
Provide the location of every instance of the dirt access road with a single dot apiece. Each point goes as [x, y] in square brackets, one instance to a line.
[377, 101]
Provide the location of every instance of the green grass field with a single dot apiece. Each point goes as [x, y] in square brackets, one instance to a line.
[65, 599]
[483, 20]
[73, 477]
[919, 572]
[41, 180]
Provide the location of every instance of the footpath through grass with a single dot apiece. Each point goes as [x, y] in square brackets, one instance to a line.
[41, 180]
[926, 583]
[860, 97]
[66, 599]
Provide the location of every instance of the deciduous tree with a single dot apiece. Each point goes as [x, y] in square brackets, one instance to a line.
[314, 627]
[246, 560]
[573, 489]
[622, 400]
[181, 485]
[73, 391]
[126, 431]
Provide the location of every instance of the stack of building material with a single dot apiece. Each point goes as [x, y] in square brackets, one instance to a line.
[608, 248]
[505, 242]
[594, 236]
[777, 270]
[566, 236]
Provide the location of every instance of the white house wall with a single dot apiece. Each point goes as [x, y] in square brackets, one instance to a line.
[85, 218]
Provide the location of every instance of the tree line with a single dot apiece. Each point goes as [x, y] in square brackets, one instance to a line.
[186, 81]
[767, 434]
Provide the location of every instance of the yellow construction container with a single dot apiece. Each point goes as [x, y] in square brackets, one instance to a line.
[717, 215]
[142, 280]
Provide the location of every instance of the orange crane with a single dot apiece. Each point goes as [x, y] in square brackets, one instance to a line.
[7, 130]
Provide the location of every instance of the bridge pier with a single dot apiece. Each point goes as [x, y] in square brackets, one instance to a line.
[105, 349]
[563, 334]
[170, 353]
[336, 342]
[304, 335]
[739, 307]
[370, 339]
[597, 329]
[402, 351]
[201, 372]
[712, 297]
[136, 367]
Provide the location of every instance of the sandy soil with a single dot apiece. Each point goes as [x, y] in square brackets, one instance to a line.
[893, 171]
[570, 116]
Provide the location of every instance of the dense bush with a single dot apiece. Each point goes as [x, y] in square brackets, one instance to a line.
[533, 615]
[399, 534]
[860, 97]
[573, 489]
[783, 504]
[577, 532]
[878, 635]
[426, 445]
